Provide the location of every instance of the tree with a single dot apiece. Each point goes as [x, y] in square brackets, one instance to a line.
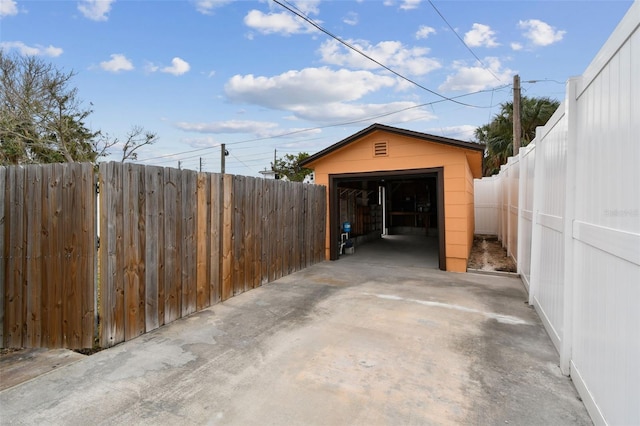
[42, 120]
[135, 139]
[289, 166]
[498, 134]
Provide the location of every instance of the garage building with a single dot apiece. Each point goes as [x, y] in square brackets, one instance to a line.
[385, 180]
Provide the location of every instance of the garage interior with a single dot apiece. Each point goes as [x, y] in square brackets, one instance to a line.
[391, 215]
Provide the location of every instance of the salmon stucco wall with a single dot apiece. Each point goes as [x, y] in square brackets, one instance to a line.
[405, 153]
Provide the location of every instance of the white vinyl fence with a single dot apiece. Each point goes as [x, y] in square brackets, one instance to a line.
[567, 208]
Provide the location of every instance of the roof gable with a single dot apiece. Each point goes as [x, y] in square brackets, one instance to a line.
[476, 147]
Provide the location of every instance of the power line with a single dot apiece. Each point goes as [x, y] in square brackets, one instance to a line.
[172, 157]
[338, 39]
[463, 42]
[242, 162]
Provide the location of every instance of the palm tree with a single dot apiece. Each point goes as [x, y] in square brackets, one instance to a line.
[498, 134]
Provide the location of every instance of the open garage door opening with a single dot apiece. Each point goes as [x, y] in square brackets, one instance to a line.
[392, 216]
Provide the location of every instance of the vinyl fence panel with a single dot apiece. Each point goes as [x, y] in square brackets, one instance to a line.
[525, 211]
[584, 225]
[605, 347]
[486, 205]
[548, 248]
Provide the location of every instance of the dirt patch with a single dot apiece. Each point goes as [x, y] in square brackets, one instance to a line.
[487, 254]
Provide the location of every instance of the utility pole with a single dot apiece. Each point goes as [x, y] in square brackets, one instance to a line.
[179, 165]
[223, 153]
[222, 158]
[200, 164]
[275, 152]
[517, 123]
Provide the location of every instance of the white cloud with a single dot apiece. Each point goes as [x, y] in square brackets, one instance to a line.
[516, 46]
[424, 32]
[307, 7]
[206, 7]
[342, 111]
[96, 10]
[393, 54]
[410, 4]
[178, 67]
[201, 142]
[117, 63]
[540, 33]
[321, 95]
[351, 18]
[474, 78]
[36, 50]
[480, 35]
[8, 8]
[276, 23]
[257, 128]
[465, 132]
[308, 86]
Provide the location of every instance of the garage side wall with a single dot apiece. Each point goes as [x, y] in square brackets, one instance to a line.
[406, 153]
[470, 209]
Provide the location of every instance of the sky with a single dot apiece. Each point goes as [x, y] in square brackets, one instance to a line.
[257, 77]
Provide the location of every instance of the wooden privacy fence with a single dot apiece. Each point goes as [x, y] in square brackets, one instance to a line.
[172, 242]
[47, 250]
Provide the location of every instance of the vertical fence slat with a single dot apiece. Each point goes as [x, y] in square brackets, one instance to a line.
[154, 238]
[216, 200]
[70, 253]
[274, 231]
[202, 241]
[250, 234]
[308, 226]
[280, 228]
[34, 257]
[227, 237]
[88, 263]
[58, 258]
[237, 236]
[111, 264]
[4, 250]
[257, 233]
[189, 250]
[287, 225]
[239, 233]
[172, 223]
[13, 297]
[266, 229]
[133, 265]
[299, 220]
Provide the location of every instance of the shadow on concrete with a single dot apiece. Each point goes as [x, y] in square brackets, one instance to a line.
[397, 250]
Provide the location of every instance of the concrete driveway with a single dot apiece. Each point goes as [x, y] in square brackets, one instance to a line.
[360, 341]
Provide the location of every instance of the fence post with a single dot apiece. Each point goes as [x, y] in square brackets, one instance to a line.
[569, 216]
